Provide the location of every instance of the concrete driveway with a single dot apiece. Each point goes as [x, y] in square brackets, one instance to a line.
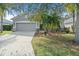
[17, 44]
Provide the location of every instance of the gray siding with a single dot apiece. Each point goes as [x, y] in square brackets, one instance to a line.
[20, 18]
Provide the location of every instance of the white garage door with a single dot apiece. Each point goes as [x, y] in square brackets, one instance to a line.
[25, 26]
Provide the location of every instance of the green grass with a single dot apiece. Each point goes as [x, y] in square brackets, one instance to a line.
[55, 45]
[6, 32]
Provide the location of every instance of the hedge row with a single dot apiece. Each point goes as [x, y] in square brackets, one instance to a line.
[7, 27]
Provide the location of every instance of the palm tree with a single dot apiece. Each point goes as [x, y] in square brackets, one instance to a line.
[10, 8]
[71, 8]
[3, 8]
[77, 23]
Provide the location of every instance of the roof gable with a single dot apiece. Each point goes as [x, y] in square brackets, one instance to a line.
[20, 18]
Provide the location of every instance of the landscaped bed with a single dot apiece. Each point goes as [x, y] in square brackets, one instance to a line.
[56, 44]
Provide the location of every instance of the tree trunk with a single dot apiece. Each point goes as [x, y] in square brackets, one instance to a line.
[73, 21]
[77, 26]
[1, 24]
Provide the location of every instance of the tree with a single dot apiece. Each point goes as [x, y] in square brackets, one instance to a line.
[38, 12]
[10, 9]
[3, 8]
[77, 25]
[51, 22]
[71, 8]
[43, 10]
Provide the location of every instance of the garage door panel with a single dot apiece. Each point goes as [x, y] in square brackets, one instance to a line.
[25, 27]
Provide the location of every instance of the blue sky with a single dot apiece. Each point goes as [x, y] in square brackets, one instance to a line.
[25, 8]
[15, 13]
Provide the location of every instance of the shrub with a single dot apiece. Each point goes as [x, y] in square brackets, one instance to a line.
[7, 27]
[67, 30]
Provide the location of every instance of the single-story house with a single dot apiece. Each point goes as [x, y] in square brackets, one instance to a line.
[21, 23]
[6, 22]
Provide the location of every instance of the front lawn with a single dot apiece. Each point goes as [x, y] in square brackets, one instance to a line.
[55, 45]
[5, 32]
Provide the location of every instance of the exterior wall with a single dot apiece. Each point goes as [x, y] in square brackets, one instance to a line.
[23, 20]
[23, 26]
[62, 24]
[20, 18]
[0, 26]
[14, 26]
[68, 22]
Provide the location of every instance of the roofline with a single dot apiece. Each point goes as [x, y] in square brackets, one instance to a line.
[17, 16]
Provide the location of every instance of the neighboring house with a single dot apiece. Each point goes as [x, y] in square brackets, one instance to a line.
[67, 23]
[6, 22]
[21, 23]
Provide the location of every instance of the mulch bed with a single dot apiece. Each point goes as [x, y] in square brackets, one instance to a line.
[51, 34]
